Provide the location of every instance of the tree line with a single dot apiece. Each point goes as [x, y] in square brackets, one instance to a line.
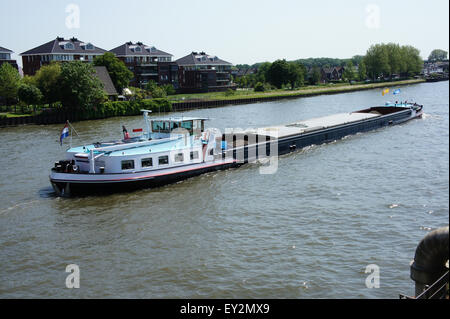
[381, 61]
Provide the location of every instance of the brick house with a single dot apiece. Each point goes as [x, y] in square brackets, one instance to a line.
[147, 63]
[200, 72]
[61, 50]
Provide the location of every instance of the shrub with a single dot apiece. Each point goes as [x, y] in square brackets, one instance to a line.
[259, 87]
[229, 92]
[169, 89]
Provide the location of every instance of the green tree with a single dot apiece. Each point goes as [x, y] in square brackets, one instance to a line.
[29, 94]
[79, 87]
[437, 55]
[9, 82]
[119, 73]
[278, 73]
[413, 61]
[315, 76]
[47, 80]
[362, 71]
[296, 74]
[349, 72]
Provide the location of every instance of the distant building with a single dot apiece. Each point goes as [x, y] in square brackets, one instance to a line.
[147, 63]
[102, 73]
[435, 67]
[200, 72]
[332, 74]
[5, 57]
[59, 49]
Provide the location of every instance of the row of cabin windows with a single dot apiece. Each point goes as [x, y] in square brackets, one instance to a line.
[162, 160]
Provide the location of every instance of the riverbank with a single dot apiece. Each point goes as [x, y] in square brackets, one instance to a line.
[217, 99]
[207, 100]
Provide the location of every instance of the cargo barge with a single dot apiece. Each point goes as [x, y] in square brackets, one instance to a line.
[173, 149]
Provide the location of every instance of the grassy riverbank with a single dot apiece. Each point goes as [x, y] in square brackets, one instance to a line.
[304, 91]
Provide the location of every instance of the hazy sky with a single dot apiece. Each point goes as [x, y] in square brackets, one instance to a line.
[239, 31]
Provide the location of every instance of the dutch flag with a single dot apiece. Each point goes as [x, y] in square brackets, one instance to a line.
[64, 132]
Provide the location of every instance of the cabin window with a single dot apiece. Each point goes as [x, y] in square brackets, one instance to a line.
[147, 162]
[187, 125]
[127, 165]
[163, 160]
[161, 126]
[179, 157]
[194, 155]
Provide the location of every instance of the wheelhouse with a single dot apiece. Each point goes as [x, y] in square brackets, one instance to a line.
[194, 126]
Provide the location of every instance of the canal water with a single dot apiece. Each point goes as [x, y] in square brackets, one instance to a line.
[307, 231]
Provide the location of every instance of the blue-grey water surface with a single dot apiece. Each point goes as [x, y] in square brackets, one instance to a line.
[308, 231]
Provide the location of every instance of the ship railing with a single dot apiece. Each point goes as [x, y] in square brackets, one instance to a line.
[438, 290]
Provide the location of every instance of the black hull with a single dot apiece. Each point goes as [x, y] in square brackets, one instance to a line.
[293, 143]
[284, 146]
[79, 188]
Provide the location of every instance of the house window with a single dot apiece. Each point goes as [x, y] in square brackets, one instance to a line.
[179, 157]
[129, 164]
[147, 162]
[137, 49]
[89, 46]
[163, 160]
[194, 155]
[69, 46]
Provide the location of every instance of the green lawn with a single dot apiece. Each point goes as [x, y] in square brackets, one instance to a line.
[306, 90]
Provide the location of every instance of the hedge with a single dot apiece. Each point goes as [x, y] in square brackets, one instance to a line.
[126, 108]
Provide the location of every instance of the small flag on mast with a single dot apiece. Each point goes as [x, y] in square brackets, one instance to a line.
[385, 91]
[64, 132]
[396, 92]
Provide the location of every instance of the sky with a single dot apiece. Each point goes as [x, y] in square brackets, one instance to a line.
[238, 31]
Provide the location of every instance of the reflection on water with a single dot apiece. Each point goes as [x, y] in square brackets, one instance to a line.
[308, 231]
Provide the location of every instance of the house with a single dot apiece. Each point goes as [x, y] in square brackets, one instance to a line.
[332, 74]
[102, 74]
[5, 57]
[147, 64]
[58, 49]
[201, 72]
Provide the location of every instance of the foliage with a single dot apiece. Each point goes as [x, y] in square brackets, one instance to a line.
[259, 87]
[80, 89]
[437, 55]
[278, 73]
[158, 93]
[47, 80]
[362, 71]
[349, 72]
[119, 73]
[383, 60]
[296, 74]
[29, 94]
[230, 92]
[9, 81]
[169, 89]
[126, 108]
[314, 79]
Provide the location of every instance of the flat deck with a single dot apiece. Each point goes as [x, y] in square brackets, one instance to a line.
[281, 131]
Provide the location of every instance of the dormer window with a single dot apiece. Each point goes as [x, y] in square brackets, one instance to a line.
[89, 46]
[137, 49]
[69, 46]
